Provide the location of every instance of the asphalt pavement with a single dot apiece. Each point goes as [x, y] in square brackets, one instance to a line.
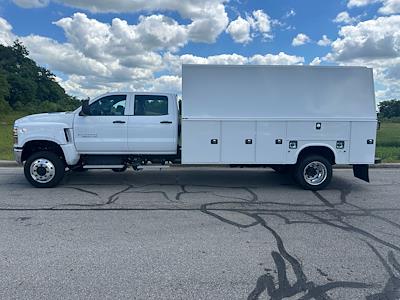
[199, 233]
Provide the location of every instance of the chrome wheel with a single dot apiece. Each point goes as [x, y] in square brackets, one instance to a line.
[315, 173]
[42, 170]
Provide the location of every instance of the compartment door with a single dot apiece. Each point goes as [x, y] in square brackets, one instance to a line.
[238, 142]
[362, 152]
[201, 142]
[271, 143]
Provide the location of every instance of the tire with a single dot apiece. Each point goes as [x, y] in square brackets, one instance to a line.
[120, 170]
[44, 169]
[313, 172]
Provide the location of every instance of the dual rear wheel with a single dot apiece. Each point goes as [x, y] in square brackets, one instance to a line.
[313, 172]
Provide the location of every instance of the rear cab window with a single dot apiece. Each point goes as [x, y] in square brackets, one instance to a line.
[151, 105]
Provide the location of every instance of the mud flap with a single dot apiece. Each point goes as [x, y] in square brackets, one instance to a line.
[361, 172]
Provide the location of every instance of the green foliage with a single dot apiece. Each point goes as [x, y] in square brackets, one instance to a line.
[388, 142]
[389, 134]
[389, 109]
[6, 140]
[25, 86]
[4, 93]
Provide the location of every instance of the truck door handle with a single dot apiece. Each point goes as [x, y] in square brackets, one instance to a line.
[119, 122]
[166, 122]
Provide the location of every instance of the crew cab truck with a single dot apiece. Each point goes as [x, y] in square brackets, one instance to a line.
[299, 119]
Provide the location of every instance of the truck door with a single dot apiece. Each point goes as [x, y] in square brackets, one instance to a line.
[105, 130]
[153, 128]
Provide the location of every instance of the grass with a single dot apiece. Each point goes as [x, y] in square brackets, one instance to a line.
[6, 134]
[6, 138]
[388, 140]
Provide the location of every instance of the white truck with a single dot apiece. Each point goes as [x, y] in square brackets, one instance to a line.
[299, 119]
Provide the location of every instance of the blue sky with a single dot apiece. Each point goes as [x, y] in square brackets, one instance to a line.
[97, 46]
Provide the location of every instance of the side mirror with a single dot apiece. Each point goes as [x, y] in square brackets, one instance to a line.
[85, 108]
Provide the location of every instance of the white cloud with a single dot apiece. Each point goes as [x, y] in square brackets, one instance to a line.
[209, 18]
[290, 13]
[31, 3]
[373, 43]
[279, 59]
[239, 30]
[208, 22]
[167, 84]
[372, 39]
[6, 35]
[388, 6]
[244, 30]
[324, 41]
[97, 40]
[99, 57]
[227, 59]
[300, 39]
[358, 3]
[68, 60]
[316, 61]
[260, 22]
[174, 62]
[345, 18]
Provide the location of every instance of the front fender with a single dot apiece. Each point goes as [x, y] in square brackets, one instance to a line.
[53, 132]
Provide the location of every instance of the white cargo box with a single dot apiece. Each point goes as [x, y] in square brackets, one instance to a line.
[237, 114]
[217, 91]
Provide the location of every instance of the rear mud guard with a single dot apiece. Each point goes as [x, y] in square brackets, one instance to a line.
[361, 172]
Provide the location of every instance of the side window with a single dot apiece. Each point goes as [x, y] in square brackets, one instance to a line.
[113, 105]
[151, 105]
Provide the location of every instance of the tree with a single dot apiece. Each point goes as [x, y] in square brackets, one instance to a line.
[4, 93]
[26, 86]
[389, 109]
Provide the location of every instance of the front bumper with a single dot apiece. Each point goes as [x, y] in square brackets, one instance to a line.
[18, 155]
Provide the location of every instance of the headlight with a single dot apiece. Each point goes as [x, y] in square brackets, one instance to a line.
[15, 135]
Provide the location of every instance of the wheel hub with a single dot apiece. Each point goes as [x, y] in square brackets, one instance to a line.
[315, 173]
[42, 170]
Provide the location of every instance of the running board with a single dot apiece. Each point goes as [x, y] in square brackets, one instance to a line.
[157, 167]
[103, 166]
[147, 167]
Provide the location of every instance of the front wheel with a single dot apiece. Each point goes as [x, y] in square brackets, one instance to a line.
[313, 172]
[44, 169]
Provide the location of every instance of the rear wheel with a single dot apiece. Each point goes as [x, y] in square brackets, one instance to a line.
[313, 172]
[44, 169]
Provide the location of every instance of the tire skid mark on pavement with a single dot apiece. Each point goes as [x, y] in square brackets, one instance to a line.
[331, 214]
[283, 289]
[391, 291]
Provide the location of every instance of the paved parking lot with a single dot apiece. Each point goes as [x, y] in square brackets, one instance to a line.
[204, 233]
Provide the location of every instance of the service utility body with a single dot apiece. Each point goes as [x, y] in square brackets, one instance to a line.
[297, 119]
